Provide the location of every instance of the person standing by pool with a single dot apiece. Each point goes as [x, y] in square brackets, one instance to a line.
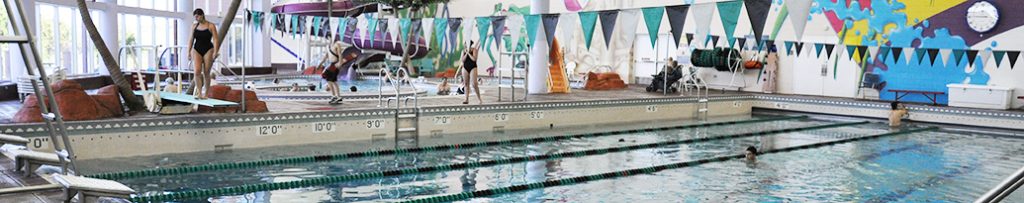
[897, 114]
[203, 44]
[330, 73]
[469, 76]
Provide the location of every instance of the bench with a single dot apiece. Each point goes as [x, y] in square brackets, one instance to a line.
[931, 95]
[32, 160]
[12, 140]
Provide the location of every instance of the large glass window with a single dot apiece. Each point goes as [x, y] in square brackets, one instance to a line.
[138, 36]
[163, 5]
[61, 39]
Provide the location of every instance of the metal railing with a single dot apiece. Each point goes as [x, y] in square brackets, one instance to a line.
[384, 75]
[1004, 189]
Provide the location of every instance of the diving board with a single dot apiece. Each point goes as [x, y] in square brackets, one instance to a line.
[189, 99]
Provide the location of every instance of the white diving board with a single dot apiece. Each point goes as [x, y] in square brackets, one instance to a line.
[189, 99]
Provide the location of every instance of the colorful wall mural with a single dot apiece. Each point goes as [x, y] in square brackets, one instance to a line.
[934, 24]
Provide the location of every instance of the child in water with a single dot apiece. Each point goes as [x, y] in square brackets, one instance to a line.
[897, 114]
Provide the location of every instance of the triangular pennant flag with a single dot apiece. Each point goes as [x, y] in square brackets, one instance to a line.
[799, 48]
[676, 20]
[909, 53]
[757, 11]
[342, 28]
[702, 14]
[732, 41]
[850, 50]
[769, 44]
[371, 30]
[729, 12]
[588, 20]
[498, 26]
[896, 53]
[873, 52]
[714, 40]
[608, 25]
[860, 52]
[945, 56]
[392, 28]
[550, 22]
[652, 17]
[515, 29]
[532, 25]
[932, 54]
[958, 55]
[971, 55]
[883, 53]
[789, 47]
[817, 49]
[985, 56]
[483, 24]
[689, 38]
[404, 25]
[742, 42]
[440, 28]
[427, 27]
[1013, 58]
[454, 25]
[828, 50]
[921, 53]
[999, 57]
[799, 10]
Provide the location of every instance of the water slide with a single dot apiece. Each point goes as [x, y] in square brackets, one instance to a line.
[369, 48]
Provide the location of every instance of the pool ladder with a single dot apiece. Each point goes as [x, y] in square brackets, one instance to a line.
[1004, 189]
[406, 119]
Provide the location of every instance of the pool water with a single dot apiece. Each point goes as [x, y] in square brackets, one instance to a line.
[920, 167]
[363, 86]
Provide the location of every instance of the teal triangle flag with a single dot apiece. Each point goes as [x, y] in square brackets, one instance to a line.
[371, 31]
[999, 57]
[589, 21]
[883, 53]
[532, 25]
[849, 51]
[482, 25]
[731, 41]
[440, 26]
[294, 26]
[958, 55]
[729, 12]
[789, 47]
[921, 53]
[403, 26]
[652, 17]
[818, 47]
[342, 28]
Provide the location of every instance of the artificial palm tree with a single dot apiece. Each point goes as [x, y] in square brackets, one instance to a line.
[123, 86]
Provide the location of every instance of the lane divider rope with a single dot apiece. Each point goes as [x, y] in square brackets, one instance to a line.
[334, 157]
[638, 171]
[323, 180]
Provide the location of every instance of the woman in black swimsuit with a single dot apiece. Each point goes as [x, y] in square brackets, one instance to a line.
[469, 75]
[203, 45]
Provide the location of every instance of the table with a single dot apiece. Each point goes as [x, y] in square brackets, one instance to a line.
[931, 95]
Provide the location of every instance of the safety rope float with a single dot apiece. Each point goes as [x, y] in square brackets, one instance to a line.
[324, 158]
[249, 188]
[638, 171]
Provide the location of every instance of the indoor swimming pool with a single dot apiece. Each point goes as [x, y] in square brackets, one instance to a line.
[816, 161]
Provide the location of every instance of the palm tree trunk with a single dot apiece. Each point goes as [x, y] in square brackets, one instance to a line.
[123, 85]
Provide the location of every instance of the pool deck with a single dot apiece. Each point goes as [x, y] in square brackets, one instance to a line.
[9, 178]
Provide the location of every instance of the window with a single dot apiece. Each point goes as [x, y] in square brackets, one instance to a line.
[61, 37]
[138, 36]
[162, 5]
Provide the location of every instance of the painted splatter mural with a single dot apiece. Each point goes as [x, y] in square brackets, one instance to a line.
[938, 24]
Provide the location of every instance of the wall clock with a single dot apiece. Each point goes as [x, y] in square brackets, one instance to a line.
[982, 16]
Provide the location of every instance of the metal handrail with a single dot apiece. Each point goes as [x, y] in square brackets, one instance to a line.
[1004, 189]
[122, 57]
[416, 101]
[385, 74]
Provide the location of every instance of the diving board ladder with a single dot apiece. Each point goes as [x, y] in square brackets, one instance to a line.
[49, 109]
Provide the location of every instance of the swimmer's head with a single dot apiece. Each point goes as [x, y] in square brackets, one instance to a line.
[751, 153]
